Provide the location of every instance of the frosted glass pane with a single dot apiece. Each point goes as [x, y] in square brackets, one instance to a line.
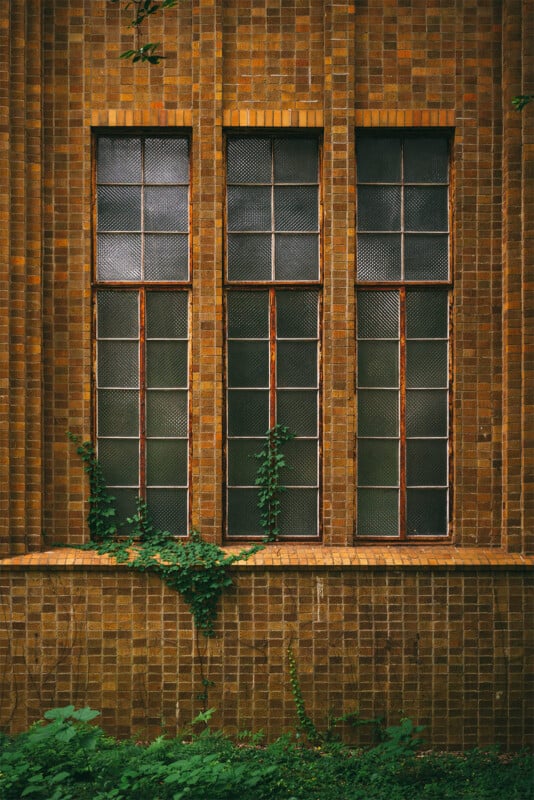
[248, 315]
[119, 459]
[296, 364]
[295, 160]
[379, 257]
[242, 513]
[378, 364]
[249, 208]
[166, 208]
[249, 257]
[299, 513]
[249, 160]
[118, 315]
[427, 315]
[301, 460]
[378, 462]
[242, 466]
[168, 510]
[426, 462]
[166, 413]
[166, 315]
[119, 257]
[166, 257]
[379, 208]
[426, 208]
[118, 364]
[167, 160]
[426, 412]
[118, 160]
[296, 208]
[119, 208]
[426, 365]
[297, 257]
[166, 365]
[378, 315]
[426, 257]
[297, 315]
[378, 412]
[378, 159]
[378, 512]
[248, 413]
[166, 462]
[248, 364]
[297, 409]
[118, 413]
[426, 160]
[426, 512]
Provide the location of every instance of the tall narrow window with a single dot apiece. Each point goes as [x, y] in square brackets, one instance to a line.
[403, 289]
[142, 375]
[272, 319]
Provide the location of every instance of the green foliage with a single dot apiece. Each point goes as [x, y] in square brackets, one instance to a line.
[101, 518]
[521, 101]
[142, 10]
[268, 479]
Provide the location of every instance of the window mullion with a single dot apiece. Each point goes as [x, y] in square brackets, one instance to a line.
[272, 357]
[142, 393]
[402, 414]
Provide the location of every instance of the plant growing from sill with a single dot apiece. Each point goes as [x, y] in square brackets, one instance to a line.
[268, 479]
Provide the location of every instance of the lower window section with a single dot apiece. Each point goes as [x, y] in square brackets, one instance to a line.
[273, 378]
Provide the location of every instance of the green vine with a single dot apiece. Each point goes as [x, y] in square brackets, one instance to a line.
[143, 10]
[521, 101]
[305, 723]
[268, 479]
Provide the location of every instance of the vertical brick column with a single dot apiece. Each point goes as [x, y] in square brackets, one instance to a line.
[20, 281]
[207, 262]
[338, 331]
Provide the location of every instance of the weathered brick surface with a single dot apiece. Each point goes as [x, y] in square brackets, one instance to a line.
[384, 631]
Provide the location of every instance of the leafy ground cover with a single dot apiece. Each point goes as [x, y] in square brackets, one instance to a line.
[67, 757]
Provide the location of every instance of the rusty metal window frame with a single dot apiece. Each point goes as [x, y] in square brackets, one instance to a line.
[382, 515]
[171, 430]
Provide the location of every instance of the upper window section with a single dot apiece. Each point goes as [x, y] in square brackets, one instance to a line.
[272, 209]
[142, 208]
[403, 208]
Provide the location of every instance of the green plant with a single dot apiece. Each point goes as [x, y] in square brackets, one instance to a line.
[306, 725]
[521, 101]
[144, 9]
[268, 479]
[102, 517]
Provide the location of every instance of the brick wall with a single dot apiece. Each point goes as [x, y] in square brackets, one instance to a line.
[250, 64]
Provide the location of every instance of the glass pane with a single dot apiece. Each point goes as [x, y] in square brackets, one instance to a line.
[378, 159]
[378, 412]
[426, 160]
[166, 257]
[249, 257]
[118, 413]
[426, 365]
[119, 459]
[299, 513]
[297, 257]
[426, 413]
[119, 257]
[296, 208]
[166, 365]
[379, 208]
[379, 257]
[426, 208]
[242, 466]
[119, 160]
[166, 315]
[426, 258]
[426, 512]
[166, 413]
[118, 364]
[168, 510]
[119, 208]
[248, 315]
[378, 315]
[296, 364]
[378, 512]
[118, 315]
[166, 208]
[249, 208]
[378, 462]
[295, 160]
[426, 462]
[378, 364]
[301, 460]
[427, 315]
[243, 514]
[298, 410]
[125, 506]
[248, 413]
[249, 160]
[167, 160]
[248, 364]
[296, 315]
[166, 462]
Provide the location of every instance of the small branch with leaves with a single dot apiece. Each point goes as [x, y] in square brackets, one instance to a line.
[142, 10]
[521, 101]
[268, 479]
